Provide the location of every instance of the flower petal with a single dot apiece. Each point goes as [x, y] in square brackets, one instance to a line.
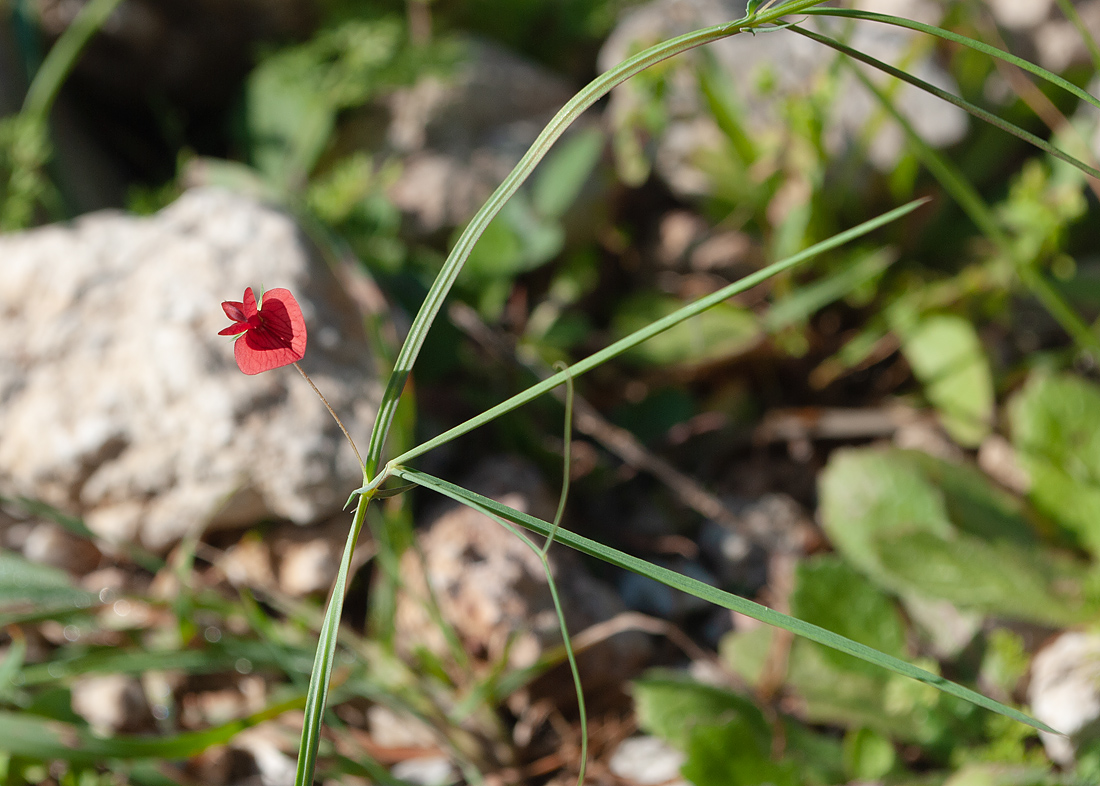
[249, 304]
[259, 350]
[234, 310]
[282, 316]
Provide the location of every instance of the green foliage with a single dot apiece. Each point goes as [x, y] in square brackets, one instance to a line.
[294, 95]
[719, 333]
[1056, 429]
[947, 358]
[880, 508]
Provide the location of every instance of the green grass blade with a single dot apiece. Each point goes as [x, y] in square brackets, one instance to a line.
[978, 46]
[595, 90]
[976, 111]
[676, 317]
[971, 202]
[63, 55]
[38, 738]
[1078, 23]
[326, 651]
[716, 596]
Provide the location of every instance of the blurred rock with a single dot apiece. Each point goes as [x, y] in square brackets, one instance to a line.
[390, 728]
[1064, 693]
[309, 558]
[1057, 43]
[739, 555]
[1020, 14]
[426, 771]
[998, 459]
[272, 753]
[461, 135]
[248, 563]
[112, 704]
[120, 403]
[764, 69]
[647, 761]
[492, 589]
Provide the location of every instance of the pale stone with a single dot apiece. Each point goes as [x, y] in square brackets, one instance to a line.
[1020, 14]
[647, 761]
[111, 703]
[118, 400]
[1064, 693]
[492, 590]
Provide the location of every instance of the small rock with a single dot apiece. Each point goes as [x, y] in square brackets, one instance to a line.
[426, 771]
[120, 403]
[1020, 14]
[248, 563]
[111, 704]
[998, 459]
[492, 589]
[309, 558]
[462, 135]
[268, 747]
[392, 729]
[648, 761]
[1064, 693]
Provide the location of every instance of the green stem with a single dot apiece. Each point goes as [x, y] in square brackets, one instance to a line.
[63, 55]
[637, 337]
[326, 650]
[593, 92]
[1082, 30]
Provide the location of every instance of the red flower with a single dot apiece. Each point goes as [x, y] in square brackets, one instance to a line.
[268, 337]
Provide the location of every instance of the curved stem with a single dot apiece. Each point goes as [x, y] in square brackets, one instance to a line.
[331, 411]
[594, 91]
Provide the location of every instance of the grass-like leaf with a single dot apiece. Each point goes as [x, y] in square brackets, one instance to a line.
[955, 38]
[576, 106]
[714, 595]
[326, 651]
[37, 738]
[973, 109]
[637, 337]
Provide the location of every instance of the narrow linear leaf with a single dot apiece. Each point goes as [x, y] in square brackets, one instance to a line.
[326, 651]
[716, 596]
[38, 738]
[659, 326]
[974, 44]
[576, 106]
[950, 98]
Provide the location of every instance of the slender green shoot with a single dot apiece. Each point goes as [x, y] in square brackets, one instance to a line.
[323, 661]
[716, 596]
[1078, 23]
[63, 55]
[973, 109]
[588, 96]
[637, 337]
[567, 458]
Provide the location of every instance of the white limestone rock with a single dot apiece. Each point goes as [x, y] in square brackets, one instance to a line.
[118, 400]
[1064, 693]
